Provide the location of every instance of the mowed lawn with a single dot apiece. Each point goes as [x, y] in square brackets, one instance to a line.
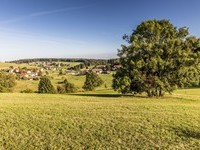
[33, 121]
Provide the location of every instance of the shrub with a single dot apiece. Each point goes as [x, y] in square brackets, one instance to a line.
[17, 77]
[69, 87]
[66, 87]
[61, 89]
[36, 78]
[106, 86]
[60, 72]
[27, 91]
[7, 82]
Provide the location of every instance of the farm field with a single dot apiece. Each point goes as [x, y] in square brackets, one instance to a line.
[34, 121]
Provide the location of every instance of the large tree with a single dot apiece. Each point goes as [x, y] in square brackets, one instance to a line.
[158, 58]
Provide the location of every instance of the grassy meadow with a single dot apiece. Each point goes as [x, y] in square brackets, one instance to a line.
[33, 121]
[7, 65]
[102, 119]
[78, 81]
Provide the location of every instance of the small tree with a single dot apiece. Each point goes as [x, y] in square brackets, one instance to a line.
[7, 82]
[45, 86]
[92, 81]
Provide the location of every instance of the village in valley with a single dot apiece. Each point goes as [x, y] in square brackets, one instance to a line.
[34, 70]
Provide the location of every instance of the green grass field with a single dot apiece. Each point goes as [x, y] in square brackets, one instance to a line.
[33, 121]
[78, 81]
[101, 119]
[4, 65]
[7, 65]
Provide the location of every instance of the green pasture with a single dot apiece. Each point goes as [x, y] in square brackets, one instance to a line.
[100, 121]
[77, 80]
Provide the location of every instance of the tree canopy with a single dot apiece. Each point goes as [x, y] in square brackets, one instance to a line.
[67, 87]
[45, 86]
[158, 58]
[7, 82]
[92, 81]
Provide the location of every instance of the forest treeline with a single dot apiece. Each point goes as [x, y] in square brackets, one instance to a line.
[85, 61]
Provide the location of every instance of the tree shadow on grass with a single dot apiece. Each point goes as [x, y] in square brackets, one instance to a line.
[98, 95]
[107, 95]
[127, 96]
[187, 133]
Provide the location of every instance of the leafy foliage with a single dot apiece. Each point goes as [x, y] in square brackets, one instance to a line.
[27, 91]
[92, 81]
[86, 62]
[61, 89]
[60, 72]
[45, 86]
[7, 82]
[158, 58]
[67, 87]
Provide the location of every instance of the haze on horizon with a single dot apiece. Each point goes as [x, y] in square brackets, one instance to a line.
[82, 29]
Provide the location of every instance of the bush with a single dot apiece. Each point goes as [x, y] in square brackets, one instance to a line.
[60, 72]
[36, 78]
[7, 82]
[67, 87]
[61, 89]
[24, 78]
[27, 91]
[45, 86]
[106, 86]
[17, 77]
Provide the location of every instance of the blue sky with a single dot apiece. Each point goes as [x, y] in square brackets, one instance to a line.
[82, 28]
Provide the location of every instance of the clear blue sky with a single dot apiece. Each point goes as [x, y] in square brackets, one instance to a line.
[82, 28]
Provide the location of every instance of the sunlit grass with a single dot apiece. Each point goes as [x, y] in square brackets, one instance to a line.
[7, 65]
[78, 81]
[33, 121]
[101, 119]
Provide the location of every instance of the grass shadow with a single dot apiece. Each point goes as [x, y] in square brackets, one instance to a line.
[187, 133]
[107, 95]
[194, 87]
[98, 95]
